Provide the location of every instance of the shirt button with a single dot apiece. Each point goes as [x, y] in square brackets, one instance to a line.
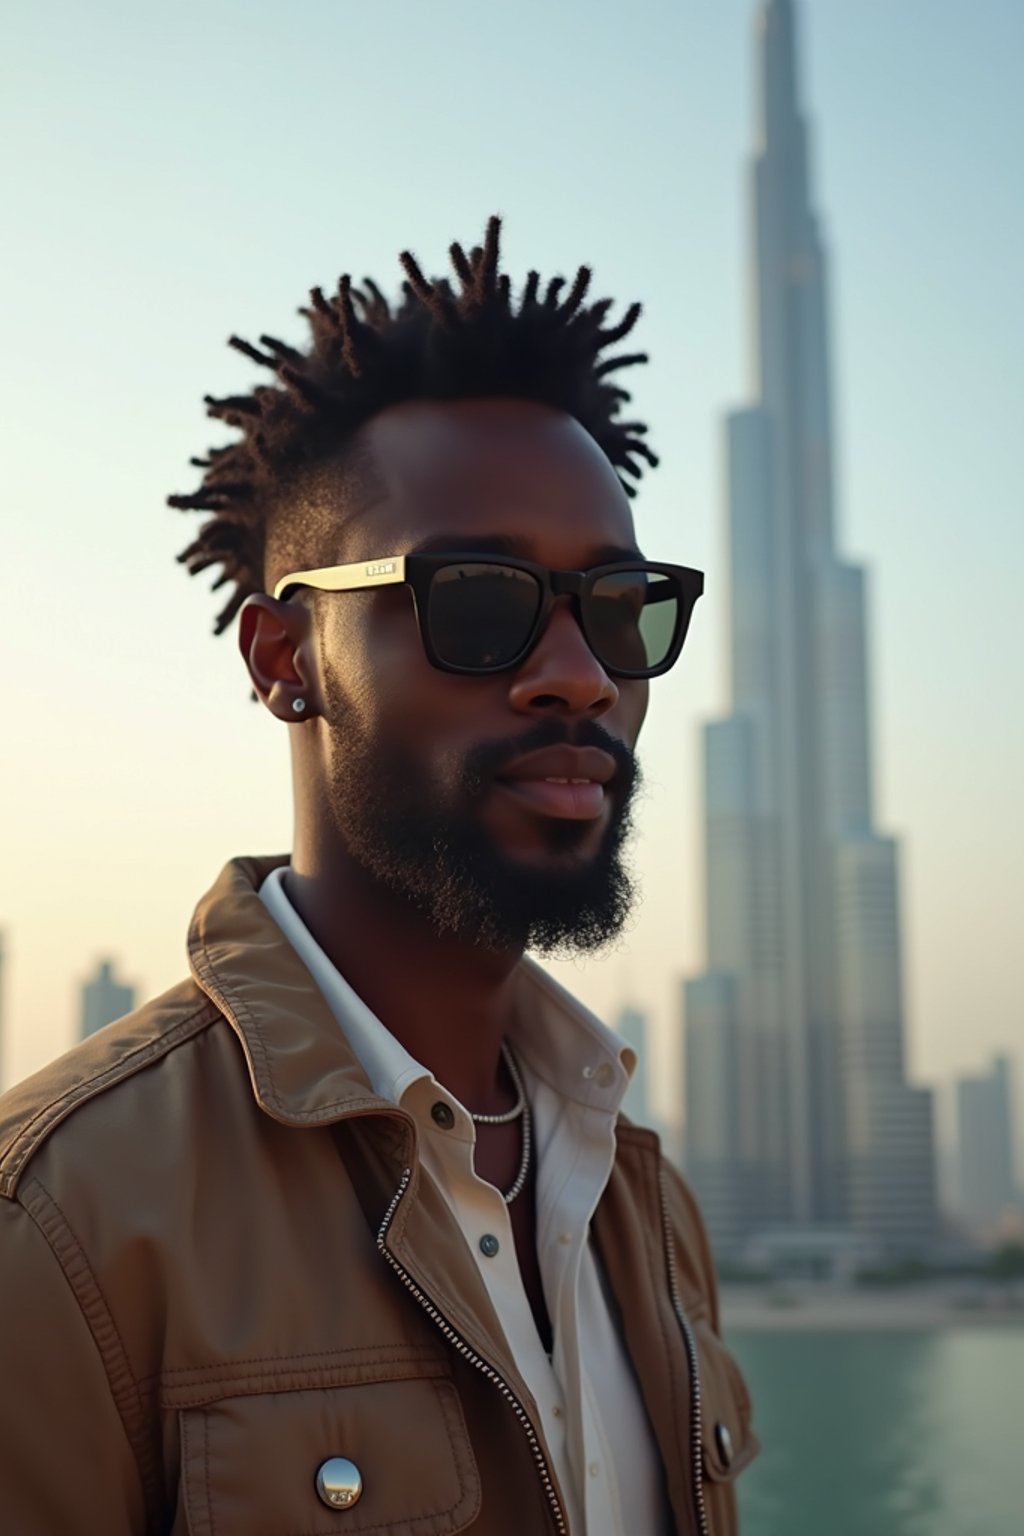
[556, 1410]
[442, 1115]
[489, 1245]
[339, 1482]
[594, 1469]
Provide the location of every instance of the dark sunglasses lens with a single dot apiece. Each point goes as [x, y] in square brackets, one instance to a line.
[481, 615]
[632, 618]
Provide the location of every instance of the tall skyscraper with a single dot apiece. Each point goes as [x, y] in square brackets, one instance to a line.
[632, 1025]
[985, 1145]
[795, 1033]
[104, 999]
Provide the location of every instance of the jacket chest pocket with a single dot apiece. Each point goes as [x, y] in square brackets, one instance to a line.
[728, 1442]
[395, 1455]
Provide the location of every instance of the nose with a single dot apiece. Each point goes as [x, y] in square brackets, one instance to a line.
[561, 675]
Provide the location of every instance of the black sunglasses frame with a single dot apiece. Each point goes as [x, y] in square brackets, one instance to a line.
[417, 571]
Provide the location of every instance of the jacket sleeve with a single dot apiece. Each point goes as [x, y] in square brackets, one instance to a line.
[66, 1464]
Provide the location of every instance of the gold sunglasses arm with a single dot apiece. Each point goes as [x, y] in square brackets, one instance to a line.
[346, 578]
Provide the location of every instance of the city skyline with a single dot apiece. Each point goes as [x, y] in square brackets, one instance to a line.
[134, 765]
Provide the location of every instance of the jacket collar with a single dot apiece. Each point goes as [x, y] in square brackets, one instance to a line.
[302, 1069]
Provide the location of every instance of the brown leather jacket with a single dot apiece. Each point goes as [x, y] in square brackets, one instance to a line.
[219, 1267]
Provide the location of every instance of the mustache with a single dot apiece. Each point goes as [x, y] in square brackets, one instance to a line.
[482, 764]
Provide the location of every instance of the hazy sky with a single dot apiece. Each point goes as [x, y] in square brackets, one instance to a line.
[176, 173]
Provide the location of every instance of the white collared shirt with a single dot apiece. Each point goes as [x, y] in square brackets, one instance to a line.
[575, 1071]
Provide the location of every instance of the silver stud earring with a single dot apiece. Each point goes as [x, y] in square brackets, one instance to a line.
[298, 705]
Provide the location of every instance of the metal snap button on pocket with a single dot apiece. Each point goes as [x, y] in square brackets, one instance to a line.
[723, 1440]
[339, 1482]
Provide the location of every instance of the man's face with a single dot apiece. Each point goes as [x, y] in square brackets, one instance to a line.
[439, 784]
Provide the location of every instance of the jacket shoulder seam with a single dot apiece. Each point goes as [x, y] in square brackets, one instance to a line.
[30, 1136]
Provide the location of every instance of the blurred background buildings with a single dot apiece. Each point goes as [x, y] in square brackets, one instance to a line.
[103, 1000]
[986, 1189]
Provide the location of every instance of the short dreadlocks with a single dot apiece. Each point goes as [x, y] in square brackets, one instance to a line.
[438, 344]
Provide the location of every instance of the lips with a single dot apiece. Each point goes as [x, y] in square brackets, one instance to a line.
[565, 782]
[569, 763]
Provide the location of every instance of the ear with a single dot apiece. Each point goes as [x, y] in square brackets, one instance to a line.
[276, 642]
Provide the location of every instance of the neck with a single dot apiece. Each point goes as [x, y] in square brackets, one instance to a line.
[448, 1001]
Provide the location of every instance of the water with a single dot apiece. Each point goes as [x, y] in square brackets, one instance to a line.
[885, 1434]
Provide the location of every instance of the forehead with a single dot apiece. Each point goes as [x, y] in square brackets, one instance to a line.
[456, 470]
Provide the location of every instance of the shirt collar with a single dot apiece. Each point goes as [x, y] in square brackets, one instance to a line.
[560, 1041]
[390, 1068]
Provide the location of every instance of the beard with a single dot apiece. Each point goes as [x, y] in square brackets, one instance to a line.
[422, 837]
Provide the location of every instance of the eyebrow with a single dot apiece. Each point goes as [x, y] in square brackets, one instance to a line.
[502, 544]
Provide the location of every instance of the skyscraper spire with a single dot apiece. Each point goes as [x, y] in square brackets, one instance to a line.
[778, 103]
[793, 377]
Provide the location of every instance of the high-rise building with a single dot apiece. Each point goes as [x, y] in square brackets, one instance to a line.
[104, 999]
[794, 1037]
[985, 1144]
[633, 1026]
[715, 1160]
[889, 1139]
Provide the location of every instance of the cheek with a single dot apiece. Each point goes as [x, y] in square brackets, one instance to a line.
[629, 713]
[382, 681]
[369, 647]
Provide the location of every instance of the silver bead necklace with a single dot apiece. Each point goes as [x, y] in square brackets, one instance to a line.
[521, 1107]
[517, 1083]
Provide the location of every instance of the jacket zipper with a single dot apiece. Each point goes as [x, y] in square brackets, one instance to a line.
[696, 1422]
[474, 1359]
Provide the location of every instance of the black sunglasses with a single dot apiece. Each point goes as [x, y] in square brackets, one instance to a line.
[479, 614]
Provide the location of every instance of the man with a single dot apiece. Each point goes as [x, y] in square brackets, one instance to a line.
[343, 1234]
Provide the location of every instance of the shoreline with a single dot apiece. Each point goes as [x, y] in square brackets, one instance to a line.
[802, 1308]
